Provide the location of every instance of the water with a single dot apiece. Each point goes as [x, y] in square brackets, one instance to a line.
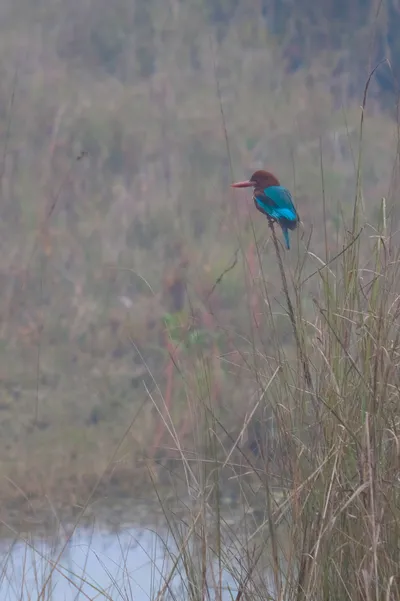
[94, 565]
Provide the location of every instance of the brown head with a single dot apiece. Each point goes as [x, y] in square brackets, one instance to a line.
[260, 179]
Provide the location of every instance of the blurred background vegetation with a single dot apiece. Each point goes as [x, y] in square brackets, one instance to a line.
[107, 262]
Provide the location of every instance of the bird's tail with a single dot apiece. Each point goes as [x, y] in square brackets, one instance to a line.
[286, 236]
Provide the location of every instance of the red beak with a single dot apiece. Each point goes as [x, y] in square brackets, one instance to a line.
[246, 184]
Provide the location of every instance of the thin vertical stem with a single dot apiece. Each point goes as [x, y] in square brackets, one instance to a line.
[299, 343]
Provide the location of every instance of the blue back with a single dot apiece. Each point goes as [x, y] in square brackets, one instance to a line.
[277, 202]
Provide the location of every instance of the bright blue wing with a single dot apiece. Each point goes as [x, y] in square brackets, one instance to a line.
[282, 202]
[276, 202]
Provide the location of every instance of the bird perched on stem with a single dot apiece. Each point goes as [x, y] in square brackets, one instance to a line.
[273, 200]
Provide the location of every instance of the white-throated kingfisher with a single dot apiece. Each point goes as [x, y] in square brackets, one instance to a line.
[273, 200]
